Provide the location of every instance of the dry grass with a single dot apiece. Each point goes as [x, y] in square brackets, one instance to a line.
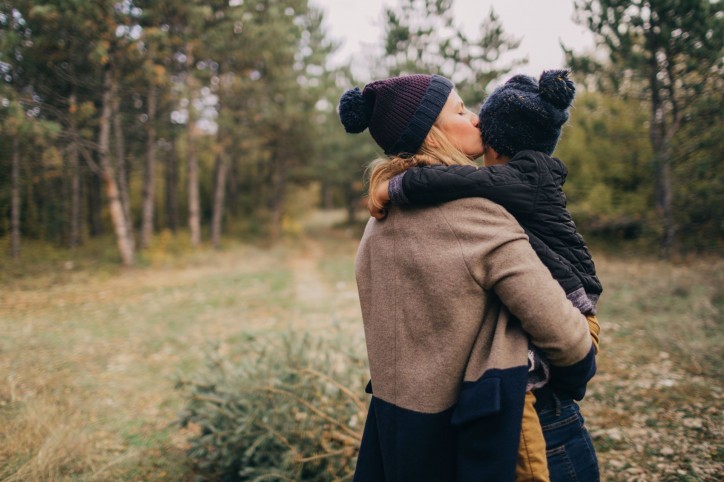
[88, 359]
[88, 363]
[655, 406]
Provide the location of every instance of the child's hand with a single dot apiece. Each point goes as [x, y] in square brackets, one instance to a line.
[378, 200]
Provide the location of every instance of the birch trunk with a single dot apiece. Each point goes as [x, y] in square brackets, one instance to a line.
[149, 178]
[193, 174]
[193, 163]
[122, 179]
[120, 227]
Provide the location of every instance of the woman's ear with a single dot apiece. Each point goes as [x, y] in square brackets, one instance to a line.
[431, 142]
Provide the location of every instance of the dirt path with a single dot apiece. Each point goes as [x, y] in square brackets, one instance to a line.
[323, 287]
[309, 286]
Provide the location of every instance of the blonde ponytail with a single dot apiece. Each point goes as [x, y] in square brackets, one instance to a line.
[435, 149]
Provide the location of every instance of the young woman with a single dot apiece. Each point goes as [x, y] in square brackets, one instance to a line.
[437, 287]
[520, 124]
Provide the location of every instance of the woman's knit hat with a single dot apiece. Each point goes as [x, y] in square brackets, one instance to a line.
[527, 114]
[398, 111]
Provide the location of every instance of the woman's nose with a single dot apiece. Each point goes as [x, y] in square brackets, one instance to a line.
[474, 119]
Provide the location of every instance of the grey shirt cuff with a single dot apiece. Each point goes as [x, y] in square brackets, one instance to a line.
[584, 302]
[394, 190]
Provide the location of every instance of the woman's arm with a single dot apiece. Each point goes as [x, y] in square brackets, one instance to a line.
[500, 258]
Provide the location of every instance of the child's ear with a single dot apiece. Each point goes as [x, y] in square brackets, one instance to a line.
[496, 155]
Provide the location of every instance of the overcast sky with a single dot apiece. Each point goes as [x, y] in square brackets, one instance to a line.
[541, 25]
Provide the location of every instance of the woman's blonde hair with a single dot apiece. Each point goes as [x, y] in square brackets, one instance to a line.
[435, 149]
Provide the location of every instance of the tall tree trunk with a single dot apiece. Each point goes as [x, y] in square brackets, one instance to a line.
[219, 190]
[15, 201]
[149, 177]
[193, 175]
[74, 159]
[172, 187]
[661, 148]
[95, 198]
[75, 236]
[232, 187]
[123, 237]
[221, 172]
[280, 180]
[193, 163]
[122, 178]
[664, 197]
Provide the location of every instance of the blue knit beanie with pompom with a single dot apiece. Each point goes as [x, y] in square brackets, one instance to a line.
[527, 114]
[398, 111]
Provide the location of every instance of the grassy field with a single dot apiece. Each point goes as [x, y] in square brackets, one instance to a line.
[89, 354]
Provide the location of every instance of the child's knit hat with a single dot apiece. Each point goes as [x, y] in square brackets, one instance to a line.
[398, 111]
[525, 114]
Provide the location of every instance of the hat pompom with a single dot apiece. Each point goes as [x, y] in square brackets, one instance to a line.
[354, 111]
[557, 88]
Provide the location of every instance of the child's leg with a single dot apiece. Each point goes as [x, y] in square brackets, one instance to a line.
[571, 455]
[532, 463]
[595, 330]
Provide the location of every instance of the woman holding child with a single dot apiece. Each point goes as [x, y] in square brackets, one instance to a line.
[476, 353]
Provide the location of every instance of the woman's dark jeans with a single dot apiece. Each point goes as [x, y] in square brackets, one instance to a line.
[570, 452]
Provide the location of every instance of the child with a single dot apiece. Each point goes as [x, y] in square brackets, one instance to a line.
[520, 124]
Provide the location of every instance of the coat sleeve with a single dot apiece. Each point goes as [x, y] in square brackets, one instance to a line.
[501, 260]
[513, 185]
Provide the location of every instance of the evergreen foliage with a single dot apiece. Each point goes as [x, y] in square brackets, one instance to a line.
[279, 409]
[421, 37]
[605, 147]
[133, 116]
[666, 57]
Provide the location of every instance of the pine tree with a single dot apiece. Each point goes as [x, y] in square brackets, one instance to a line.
[671, 51]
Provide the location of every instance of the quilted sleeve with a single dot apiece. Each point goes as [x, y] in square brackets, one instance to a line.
[514, 185]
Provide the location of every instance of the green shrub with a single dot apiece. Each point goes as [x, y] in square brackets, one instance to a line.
[288, 408]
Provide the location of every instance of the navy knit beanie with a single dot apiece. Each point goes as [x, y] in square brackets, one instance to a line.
[527, 114]
[398, 111]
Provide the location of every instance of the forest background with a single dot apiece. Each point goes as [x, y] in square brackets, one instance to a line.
[131, 119]
[186, 138]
